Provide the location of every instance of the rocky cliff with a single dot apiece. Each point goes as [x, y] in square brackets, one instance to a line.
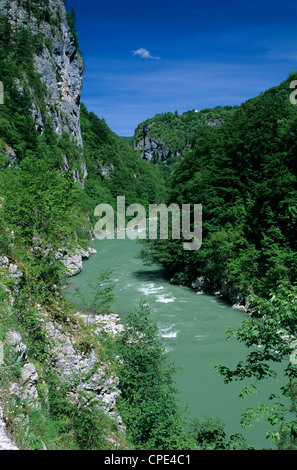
[171, 135]
[151, 149]
[73, 362]
[57, 61]
[74, 367]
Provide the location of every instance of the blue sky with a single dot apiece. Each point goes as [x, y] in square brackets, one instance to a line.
[144, 58]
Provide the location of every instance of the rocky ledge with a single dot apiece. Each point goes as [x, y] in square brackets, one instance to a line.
[5, 442]
[238, 299]
[75, 362]
[73, 260]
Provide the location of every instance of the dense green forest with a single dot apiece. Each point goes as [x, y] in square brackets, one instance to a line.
[175, 134]
[244, 175]
[239, 163]
[179, 131]
[114, 169]
[45, 209]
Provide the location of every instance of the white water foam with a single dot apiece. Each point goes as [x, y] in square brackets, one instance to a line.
[150, 289]
[168, 333]
[164, 300]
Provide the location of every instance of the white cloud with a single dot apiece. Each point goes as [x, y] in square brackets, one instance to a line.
[144, 54]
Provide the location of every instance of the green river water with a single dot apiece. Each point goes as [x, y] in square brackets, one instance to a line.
[193, 328]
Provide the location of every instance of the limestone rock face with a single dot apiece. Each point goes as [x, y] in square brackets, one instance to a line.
[5, 441]
[95, 379]
[73, 261]
[59, 64]
[152, 150]
[88, 378]
[25, 390]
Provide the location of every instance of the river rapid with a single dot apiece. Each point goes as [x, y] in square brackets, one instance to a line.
[193, 328]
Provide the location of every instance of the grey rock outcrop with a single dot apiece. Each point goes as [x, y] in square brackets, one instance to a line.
[9, 155]
[15, 274]
[73, 261]
[5, 442]
[88, 378]
[150, 149]
[24, 391]
[59, 65]
[238, 299]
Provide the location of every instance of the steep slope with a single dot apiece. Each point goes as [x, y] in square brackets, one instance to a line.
[166, 137]
[244, 175]
[58, 382]
[114, 169]
[47, 72]
[52, 372]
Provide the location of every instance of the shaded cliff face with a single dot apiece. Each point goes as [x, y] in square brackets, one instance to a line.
[153, 150]
[58, 62]
[171, 135]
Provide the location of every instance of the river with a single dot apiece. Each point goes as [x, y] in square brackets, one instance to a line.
[194, 331]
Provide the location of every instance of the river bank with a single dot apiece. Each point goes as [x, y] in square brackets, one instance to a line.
[192, 326]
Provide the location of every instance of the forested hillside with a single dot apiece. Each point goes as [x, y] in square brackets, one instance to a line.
[114, 169]
[84, 380]
[58, 377]
[167, 137]
[49, 184]
[244, 175]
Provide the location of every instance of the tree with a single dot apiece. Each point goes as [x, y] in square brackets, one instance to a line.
[270, 335]
[148, 401]
[210, 435]
[101, 295]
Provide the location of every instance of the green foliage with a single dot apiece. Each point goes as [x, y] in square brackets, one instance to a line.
[210, 435]
[177, 134]
[241, 167]
[270, 336]
[114, 168]
[40, 212]
[37, 342]
[244, 175]
[9, 365]
[71, 19]
[70, 425]
[100, 296]
[148, 401]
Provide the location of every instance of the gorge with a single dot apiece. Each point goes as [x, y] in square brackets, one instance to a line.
[193, 327]
[95, 373]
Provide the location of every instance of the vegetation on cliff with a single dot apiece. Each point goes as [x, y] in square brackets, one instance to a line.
[46, 207]
[244, 175]
[240, 163]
